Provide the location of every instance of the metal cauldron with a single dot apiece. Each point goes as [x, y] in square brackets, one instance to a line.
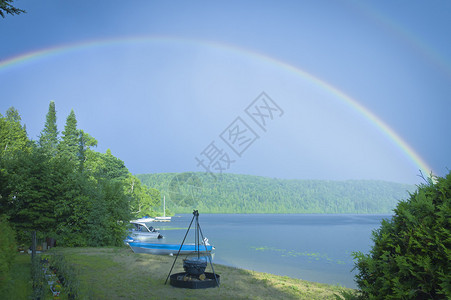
[195, 266]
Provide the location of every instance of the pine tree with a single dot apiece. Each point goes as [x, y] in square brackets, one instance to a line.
[7, 8]
[48, 139]
[70, 145]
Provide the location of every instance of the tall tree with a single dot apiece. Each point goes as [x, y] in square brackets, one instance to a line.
[48, 138]
[69, 146]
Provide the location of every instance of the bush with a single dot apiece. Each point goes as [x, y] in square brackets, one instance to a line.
[7, 250]
[411, 257]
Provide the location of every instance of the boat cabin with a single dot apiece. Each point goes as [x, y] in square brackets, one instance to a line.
[141, 227]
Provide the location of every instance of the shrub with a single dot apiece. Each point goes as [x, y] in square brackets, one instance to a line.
[411, 257]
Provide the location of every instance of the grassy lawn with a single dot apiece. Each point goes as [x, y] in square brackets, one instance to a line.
[118, 273]
[19, 285]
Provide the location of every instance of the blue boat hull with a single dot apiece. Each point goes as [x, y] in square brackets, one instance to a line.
[168, 249]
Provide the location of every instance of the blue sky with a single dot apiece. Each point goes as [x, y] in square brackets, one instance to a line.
[157, 82]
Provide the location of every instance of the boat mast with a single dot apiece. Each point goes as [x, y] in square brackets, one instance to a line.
[164, 206]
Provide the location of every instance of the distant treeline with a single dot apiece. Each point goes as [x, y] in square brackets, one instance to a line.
[233, 193]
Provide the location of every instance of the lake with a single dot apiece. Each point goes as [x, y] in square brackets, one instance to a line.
[313, 247]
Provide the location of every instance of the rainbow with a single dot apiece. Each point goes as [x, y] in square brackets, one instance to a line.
[347, 100]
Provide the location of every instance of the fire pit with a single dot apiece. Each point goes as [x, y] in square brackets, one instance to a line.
[203, 281]
[194, 276]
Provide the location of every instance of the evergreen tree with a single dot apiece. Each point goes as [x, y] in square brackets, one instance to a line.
[411, 256]
[48, 139]
[7, 8]
[70, 145]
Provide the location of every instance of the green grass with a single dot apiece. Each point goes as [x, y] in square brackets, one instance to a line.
[19, 285]
[118, 273]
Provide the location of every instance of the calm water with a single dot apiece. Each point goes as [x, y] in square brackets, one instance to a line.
[310, 247]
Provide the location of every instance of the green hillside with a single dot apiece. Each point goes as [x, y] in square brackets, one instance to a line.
[233, 193]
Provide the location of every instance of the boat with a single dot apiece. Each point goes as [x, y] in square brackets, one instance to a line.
[141, 233]
[145, 219]
[163, 218]
[169, 249]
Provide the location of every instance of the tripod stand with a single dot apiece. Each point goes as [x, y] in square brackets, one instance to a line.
[197, 235]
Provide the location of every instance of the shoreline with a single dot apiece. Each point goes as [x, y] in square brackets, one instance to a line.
[289, 276]
[102, 272]
[297, 245]
[176, 215]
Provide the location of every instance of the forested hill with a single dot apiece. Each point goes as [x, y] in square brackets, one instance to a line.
[233, 193]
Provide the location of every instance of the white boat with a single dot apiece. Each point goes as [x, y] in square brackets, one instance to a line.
[144, 220]
[163, 218]
[141, 233]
